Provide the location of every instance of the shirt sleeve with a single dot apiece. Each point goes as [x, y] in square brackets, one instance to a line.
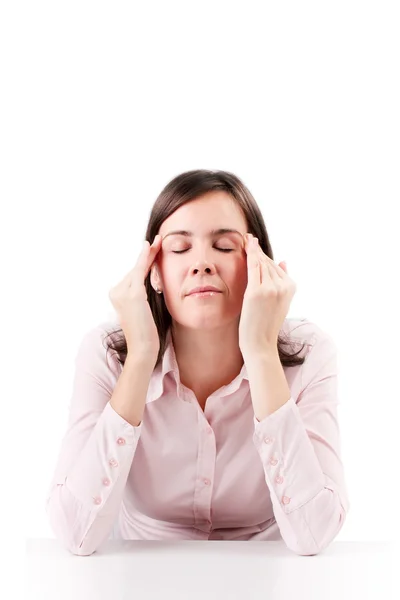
[300, 449]
[96, 453]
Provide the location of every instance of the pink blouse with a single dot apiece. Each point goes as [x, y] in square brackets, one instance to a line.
[193, 475]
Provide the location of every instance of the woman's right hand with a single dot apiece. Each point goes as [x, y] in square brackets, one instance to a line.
[129, 298]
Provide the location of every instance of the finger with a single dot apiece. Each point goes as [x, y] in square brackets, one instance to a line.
[275, 268]
[253, 266]
[150, 250]
[266, 270]
[268, 274]
[268, 264]
[147, 253]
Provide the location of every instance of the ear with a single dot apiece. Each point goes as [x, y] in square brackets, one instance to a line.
[154, 277]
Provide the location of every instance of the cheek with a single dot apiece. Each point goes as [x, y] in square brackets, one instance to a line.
[171, 273]
[236, 275]
[240, 265]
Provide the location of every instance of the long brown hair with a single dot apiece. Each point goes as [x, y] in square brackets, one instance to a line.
[180, 190]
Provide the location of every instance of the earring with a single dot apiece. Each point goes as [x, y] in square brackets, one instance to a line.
[158, 291]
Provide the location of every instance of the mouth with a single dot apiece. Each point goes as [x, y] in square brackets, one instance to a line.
[206, 294]
[204, 288]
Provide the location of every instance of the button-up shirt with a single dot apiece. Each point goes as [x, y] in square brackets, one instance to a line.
[189, 474]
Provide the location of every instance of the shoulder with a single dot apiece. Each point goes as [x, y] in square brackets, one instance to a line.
[98, 332]
[94, 344]
[306, 332]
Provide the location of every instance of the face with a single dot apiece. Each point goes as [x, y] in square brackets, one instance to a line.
[187, 261]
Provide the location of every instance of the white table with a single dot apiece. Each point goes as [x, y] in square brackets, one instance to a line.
[190, 570]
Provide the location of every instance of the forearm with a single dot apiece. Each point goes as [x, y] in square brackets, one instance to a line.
[130, 392]
[268, 386]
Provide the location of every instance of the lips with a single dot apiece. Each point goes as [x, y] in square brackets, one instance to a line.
[207, 288]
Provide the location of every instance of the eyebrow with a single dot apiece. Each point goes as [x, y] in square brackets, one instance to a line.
[212, 233]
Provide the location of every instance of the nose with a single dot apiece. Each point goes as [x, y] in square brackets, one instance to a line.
[203, 266]
[203, 269]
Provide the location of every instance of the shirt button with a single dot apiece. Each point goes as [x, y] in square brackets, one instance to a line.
[121, 441]
[206, 481]
[268, 440]
[279, 479]
[113, 462]
[273, 461]
[97, 500]
[285, 500]
[106, 481]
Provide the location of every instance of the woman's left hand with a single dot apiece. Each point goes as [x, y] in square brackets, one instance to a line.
[266, 301]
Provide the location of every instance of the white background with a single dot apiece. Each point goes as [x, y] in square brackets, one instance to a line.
[104, 102]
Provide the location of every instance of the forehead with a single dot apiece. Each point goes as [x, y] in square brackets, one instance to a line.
[213, 214]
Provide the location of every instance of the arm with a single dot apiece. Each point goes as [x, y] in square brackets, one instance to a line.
[97, 450]
[299, 446]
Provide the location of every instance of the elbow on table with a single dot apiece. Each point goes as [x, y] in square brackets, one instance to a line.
[326, 535]
[69, 524]
[81, 550]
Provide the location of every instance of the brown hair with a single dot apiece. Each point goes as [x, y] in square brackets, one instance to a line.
[180, 190]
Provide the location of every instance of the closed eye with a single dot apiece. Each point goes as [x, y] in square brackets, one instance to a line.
[220, 249]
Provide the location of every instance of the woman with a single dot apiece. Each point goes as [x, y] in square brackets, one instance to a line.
[201, 423]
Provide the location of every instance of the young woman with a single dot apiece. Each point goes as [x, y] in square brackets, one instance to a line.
[198, 418]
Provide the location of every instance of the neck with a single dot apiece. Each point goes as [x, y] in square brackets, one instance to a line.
[207, 358]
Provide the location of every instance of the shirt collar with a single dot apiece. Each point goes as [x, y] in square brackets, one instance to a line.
[170, 365]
